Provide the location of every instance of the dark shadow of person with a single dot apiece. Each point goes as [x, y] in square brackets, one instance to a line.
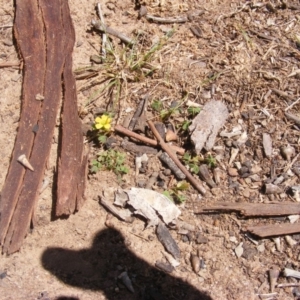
[99, 268]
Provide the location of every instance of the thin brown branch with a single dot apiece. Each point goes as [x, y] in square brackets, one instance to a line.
[123, 215]
[283, 94]
[166, 20]
[284, 285]
[144, 139]
[293, 118]
[10, 64]
[264, 231]
[104, 37]
[108, 30]
[173, 156]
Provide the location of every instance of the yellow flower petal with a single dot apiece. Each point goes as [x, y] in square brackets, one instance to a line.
[98, 126]
[103, 122]
[107, 126]
[98, 120]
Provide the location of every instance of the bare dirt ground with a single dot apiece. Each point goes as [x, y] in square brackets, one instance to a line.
[244, 50]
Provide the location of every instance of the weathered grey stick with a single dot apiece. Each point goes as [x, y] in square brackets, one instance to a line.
[104, 37]
[293, 118]
[123, 215]
[140, 109]
[144, 139]
[164, 157]
[183, 19]
[167, 148]
[283, 94]
[166, 20]
[101, 27]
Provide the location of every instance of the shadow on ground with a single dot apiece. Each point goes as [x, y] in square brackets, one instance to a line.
[99, 267]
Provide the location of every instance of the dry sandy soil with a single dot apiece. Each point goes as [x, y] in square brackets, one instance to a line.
[243, 51]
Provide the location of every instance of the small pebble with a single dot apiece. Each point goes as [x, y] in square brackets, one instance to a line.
[201, 239]
[261, 248]
[8, 42]
[96, 59]
[239, 250]
[233, 172]
[150, 238]
[185, 238]
[3, 275]
[249, 253]
[79, 43]
[167, 172]
[166, 267]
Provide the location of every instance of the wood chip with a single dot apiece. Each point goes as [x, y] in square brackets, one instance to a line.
[167, 240]
[256, 209]
[264, 231]
[207, 124]
[267, 144]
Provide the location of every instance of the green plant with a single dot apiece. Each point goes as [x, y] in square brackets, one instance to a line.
[210, 161]
[121, 65]
[193, 111]
[111, 160]
[175, 194]
[192, 162]
[157, 105]
[167, 113]
[185, 125]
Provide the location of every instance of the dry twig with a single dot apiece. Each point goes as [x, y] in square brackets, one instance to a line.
[173, 156]
[104, 37]
[144, 139]
[10, 64]
[293, 118]
[102, 28]
[293, 104]
[118, 213]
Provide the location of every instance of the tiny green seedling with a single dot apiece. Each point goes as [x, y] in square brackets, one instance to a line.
[175, 194]
[185, 125]
[110, 160]
[167, 113]
[157, 105]
[192, 162]
[210, 161]
[193, 111]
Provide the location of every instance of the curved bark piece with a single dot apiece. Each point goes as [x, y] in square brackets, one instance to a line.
[28, 30]
[72, 162]
[45, 35]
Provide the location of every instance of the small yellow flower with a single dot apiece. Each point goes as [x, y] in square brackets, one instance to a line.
[103, 123]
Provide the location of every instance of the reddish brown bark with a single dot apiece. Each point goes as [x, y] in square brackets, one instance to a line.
[256, 209]
[70, 186]
[28, 27]
[45, 36]
[274, 230]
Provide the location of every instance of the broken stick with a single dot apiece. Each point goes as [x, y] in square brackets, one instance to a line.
[292, 118]
[264, 231]
[10, 64]
[144, 139]
[173, 156]
[124, 215]
[108, 30]
[255, 209]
